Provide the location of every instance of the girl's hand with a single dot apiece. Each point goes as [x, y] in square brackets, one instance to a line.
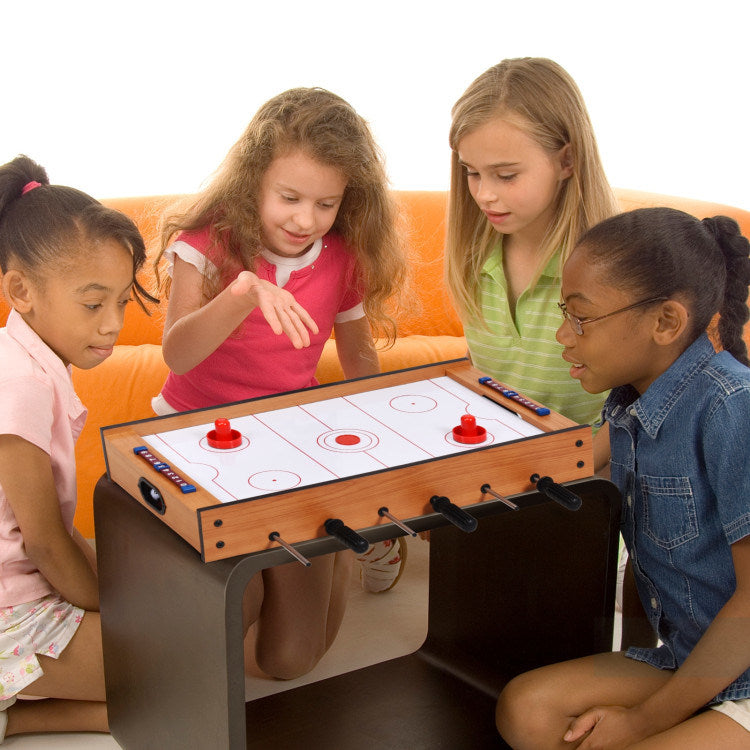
[610, 727]
[279, 308]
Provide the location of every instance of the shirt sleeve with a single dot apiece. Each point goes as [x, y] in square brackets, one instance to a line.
[353, 313]
[351, 307]
[186, 252]
[26, 409]
[727, 452]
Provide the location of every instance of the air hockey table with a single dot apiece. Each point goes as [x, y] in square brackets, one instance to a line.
[522, 567]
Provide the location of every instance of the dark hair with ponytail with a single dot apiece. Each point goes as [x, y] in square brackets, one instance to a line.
[43, 225]
[662, 252]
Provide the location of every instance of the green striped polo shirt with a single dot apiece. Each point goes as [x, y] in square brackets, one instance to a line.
[523, 353]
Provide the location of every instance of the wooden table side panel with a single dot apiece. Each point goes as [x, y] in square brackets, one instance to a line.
[299, 516]
[125, 468]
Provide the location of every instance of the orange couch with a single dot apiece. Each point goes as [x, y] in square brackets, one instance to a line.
[120, 389]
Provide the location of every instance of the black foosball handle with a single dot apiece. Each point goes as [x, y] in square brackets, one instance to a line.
[457, 516]
[348, 537]
[556, 492]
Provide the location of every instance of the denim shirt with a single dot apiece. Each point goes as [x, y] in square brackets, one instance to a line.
[681, 458]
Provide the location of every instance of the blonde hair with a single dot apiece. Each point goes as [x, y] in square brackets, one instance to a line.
[539, 96]
[327, 129]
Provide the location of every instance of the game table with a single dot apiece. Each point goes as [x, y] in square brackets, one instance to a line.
[513, 589]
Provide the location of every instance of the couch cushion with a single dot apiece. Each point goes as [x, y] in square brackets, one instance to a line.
[118, 390]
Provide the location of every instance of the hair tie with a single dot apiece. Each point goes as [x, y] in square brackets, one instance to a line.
[30, 186]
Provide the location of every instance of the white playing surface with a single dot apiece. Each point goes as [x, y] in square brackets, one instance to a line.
[298, 446]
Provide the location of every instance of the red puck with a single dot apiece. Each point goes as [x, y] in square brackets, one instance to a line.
[346, 439]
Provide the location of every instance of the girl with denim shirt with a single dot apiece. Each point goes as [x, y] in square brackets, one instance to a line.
[639, 292]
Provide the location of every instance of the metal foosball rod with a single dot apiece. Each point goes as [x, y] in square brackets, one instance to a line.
[385, 512]
[274, 537]
[487, 490]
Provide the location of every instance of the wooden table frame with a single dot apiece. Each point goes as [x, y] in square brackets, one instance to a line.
[220, 530]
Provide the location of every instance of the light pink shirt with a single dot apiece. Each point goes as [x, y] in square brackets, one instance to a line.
[37, 403]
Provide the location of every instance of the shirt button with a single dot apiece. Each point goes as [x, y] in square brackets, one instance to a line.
[633, 413]
[653, 603]
[630, 501]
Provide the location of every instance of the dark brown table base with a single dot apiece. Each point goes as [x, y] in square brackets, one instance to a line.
[527, 588]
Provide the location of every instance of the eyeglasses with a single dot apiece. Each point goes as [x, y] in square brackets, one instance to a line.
[577, 323]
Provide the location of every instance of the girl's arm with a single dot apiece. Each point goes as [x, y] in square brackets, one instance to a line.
[719, 657]
[193, 330]
[88, 550]
[26, 476]
[356, 349]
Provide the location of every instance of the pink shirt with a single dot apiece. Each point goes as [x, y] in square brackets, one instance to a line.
[37, 403]
[254, 361]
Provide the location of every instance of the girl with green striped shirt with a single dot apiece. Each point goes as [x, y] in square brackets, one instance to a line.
[526, 182]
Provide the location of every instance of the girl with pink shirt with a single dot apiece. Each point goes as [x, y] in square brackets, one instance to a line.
[68, 266]
[294, 239]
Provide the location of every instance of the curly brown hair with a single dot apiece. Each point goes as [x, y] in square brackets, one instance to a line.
[327, 129]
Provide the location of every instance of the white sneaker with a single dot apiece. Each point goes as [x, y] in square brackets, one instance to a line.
[382, 565]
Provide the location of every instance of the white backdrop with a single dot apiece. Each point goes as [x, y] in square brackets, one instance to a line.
[135, 98]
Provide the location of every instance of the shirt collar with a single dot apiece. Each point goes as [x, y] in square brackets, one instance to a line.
[653, 407]
[494, 263]
[298, 261]
[19, 330]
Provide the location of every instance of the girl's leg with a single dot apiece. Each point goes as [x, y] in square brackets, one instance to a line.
[707, 729]
[535, 709]
[53, 715]
[252, 601]
[301, 613]
[74, 684]
[78, 673]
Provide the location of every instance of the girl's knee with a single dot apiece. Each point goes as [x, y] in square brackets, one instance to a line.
[511, 708]
[288, 658]
[252, 601]
[522, 711]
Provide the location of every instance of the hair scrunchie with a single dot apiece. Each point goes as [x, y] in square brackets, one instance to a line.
[30, 186]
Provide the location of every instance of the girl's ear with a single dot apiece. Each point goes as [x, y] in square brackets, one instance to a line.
[671, 322]
[18, 290]
[565, 159]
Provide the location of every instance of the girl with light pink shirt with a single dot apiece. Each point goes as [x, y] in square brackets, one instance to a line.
[68, 266]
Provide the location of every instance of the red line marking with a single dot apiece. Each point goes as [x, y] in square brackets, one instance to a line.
[296, 447]
[387, 427]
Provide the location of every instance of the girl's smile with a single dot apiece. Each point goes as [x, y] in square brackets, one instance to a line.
[495, 218]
